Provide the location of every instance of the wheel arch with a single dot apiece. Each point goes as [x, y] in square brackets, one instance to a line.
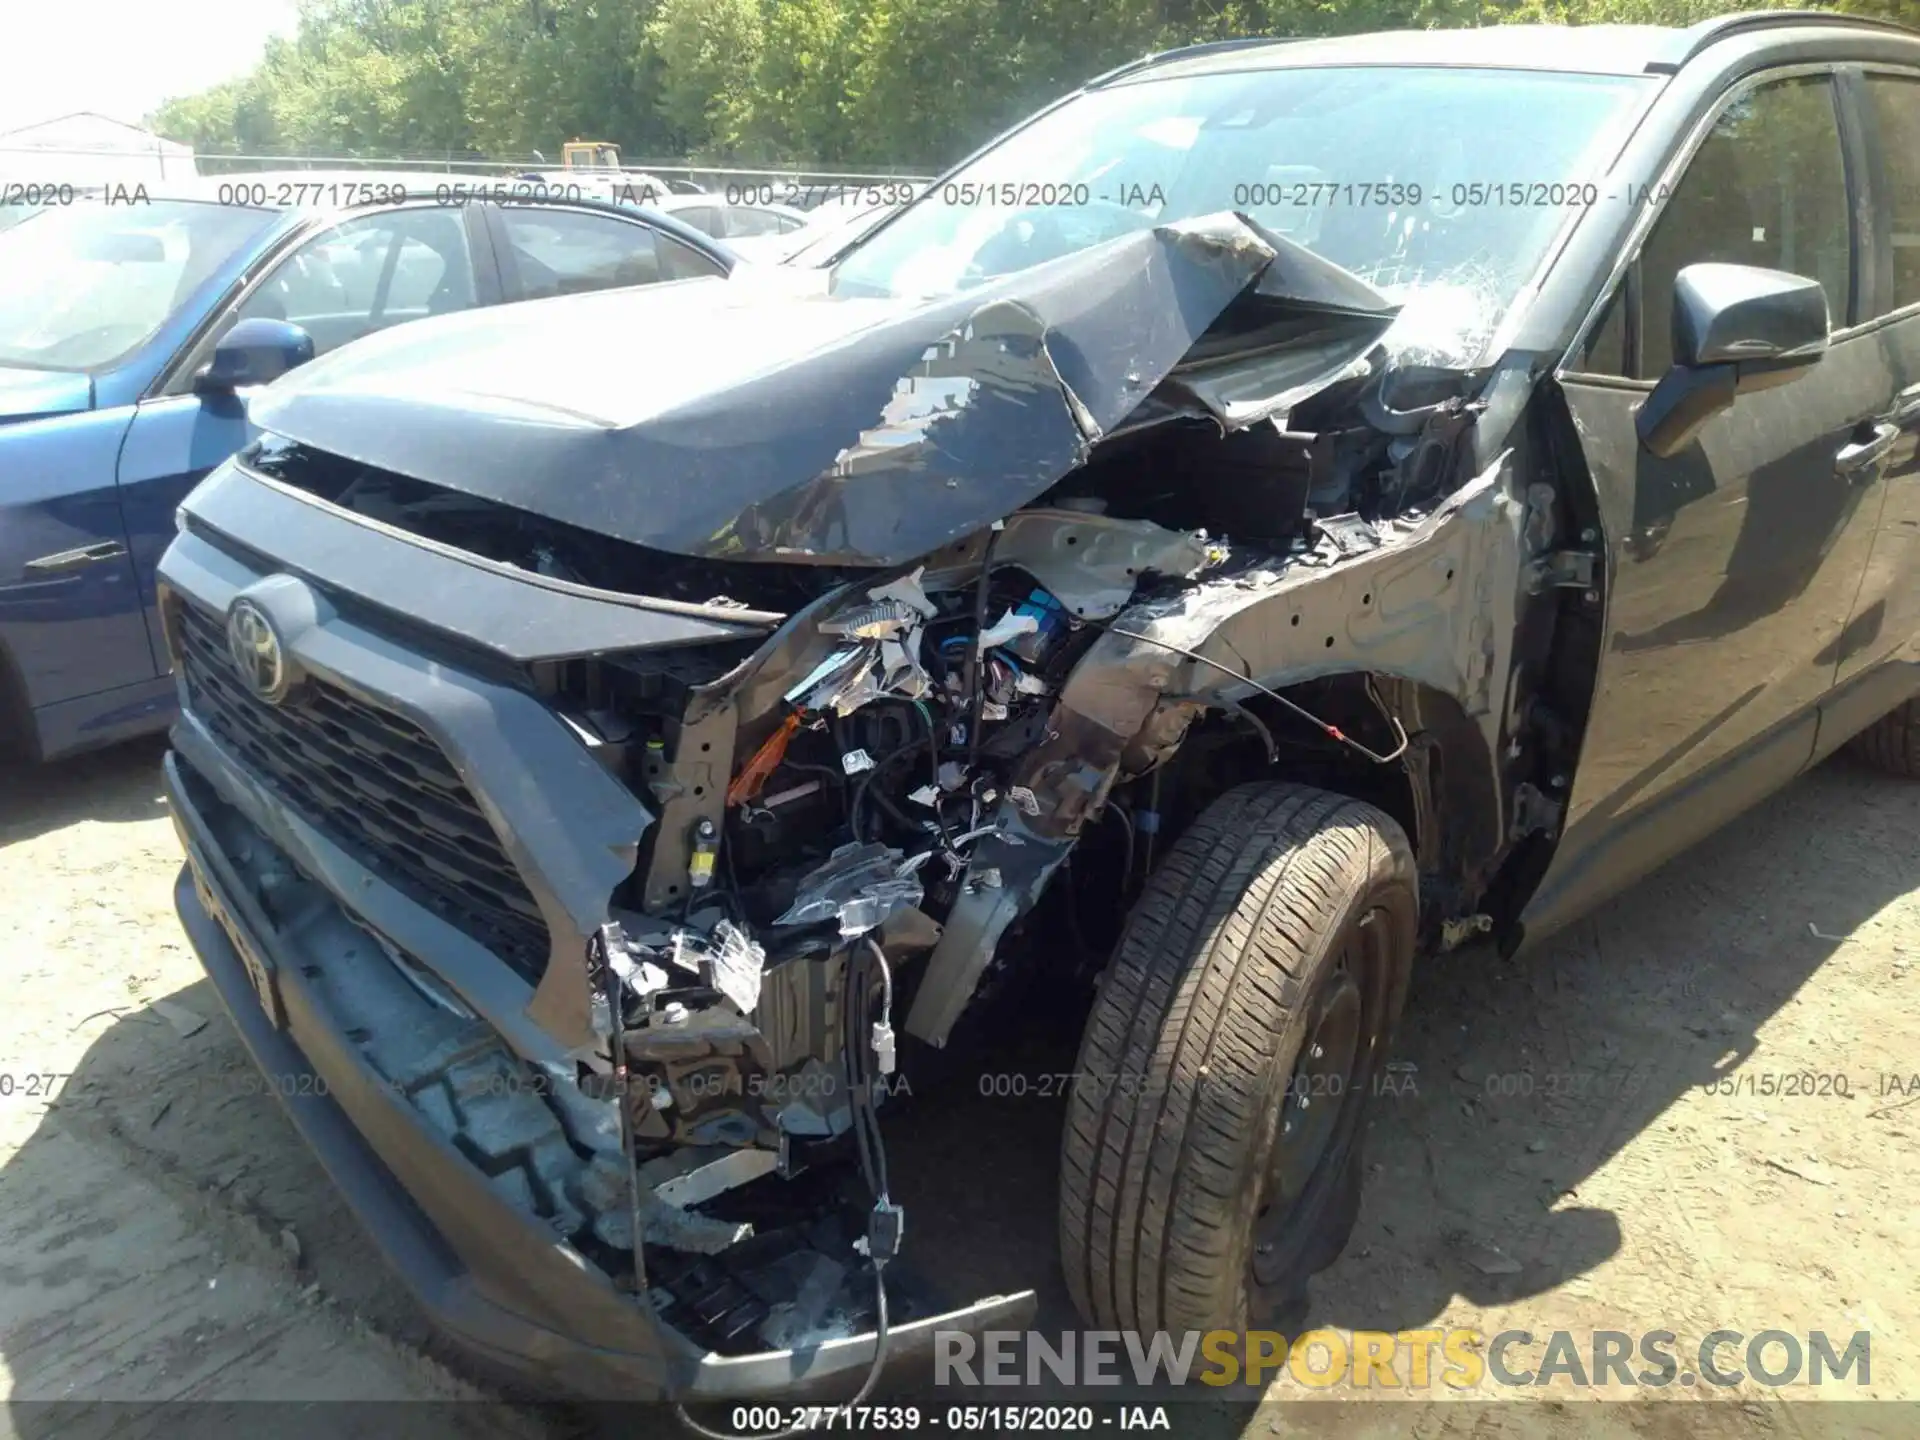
[1441, 784]
[19, 736]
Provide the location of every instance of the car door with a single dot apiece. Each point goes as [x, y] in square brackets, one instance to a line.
[1886, 618]
[549, 250]
[93, 300]
[343, 280]
[1734, 564]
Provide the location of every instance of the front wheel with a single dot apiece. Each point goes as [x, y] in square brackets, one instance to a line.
[1892, 743]
[1211, 1157]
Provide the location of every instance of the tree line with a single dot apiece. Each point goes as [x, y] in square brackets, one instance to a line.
[850, 83]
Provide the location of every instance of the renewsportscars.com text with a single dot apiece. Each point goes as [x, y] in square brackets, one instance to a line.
[1457, 1358]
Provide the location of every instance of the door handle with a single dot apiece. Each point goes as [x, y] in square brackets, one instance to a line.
[74, 559]
[1860, 456]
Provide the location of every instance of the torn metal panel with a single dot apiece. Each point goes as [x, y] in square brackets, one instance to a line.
[1240, 393]
[1434, 602]
[1425, 604]
[832, 429]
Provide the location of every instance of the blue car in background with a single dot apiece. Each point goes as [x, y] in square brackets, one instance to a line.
[131, 335]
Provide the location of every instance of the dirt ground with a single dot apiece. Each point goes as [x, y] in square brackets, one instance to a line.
[1562, 1153]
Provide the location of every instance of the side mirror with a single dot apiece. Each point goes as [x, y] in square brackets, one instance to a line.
[1736, 329]
[252, 353]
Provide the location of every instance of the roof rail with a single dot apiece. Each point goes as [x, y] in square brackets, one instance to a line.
[1695, 38]
[1184, 52]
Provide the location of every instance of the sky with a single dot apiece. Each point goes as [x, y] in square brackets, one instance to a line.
[123, 57]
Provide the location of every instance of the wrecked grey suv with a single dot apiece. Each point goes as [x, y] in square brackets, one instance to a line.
[1308, 504]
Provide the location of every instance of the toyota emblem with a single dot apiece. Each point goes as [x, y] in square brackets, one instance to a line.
[256, 651]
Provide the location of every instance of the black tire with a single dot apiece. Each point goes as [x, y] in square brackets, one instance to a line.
[1892, 743]
[1281, 909]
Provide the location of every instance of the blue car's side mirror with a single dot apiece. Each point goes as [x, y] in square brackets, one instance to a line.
[252, 353]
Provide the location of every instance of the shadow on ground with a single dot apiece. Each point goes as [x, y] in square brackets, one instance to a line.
[113, 786]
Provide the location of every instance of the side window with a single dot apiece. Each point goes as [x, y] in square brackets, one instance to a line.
[1767, 187]
[569, 252]
[368, 273]
[704, 218]
[1896, 110]
[683, 262]
[746, 220]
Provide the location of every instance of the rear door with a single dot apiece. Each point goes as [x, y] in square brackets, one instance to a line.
[1735, 564]
[339, 282]
[1886, 618]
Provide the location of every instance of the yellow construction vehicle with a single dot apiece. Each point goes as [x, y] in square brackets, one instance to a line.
[590, 155]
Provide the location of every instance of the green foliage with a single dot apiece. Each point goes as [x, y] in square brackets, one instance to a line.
[914, 83]
[708, 52]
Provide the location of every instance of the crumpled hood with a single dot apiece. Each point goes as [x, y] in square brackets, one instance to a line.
[31, 394]
[772, 421]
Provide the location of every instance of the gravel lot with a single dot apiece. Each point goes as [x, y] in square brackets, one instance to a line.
[1560, 1157]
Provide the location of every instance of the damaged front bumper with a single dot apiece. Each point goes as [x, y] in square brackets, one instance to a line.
[487, 1272]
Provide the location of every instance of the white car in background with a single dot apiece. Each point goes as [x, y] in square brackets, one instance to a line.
[750, 221]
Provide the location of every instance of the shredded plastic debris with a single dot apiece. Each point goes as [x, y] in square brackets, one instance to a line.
[642, 977]
[1010, 626]
[885, 662]
[686, 951]
[900, 672]
[729, 959]
[833, 680]
[908, 591]
[882, 620]
[859, 686]
[860, 885]
[737, 962]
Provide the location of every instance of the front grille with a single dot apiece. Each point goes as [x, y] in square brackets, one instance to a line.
[377, 784]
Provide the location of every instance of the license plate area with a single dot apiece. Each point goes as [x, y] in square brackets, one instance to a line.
[259, 969]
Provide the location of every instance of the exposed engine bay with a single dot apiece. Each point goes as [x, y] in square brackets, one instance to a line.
[902, 790]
